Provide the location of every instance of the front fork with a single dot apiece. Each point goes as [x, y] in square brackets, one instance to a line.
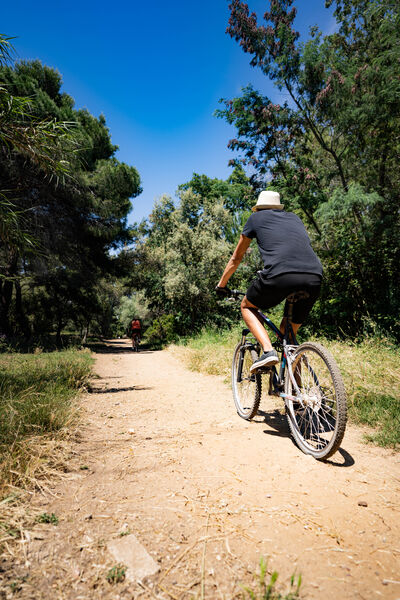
[288, 351]
[244, 345]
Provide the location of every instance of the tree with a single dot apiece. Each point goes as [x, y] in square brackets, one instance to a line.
[134, 306]
[76, 219]
[179, 255]
[338, 133]
[235, 193]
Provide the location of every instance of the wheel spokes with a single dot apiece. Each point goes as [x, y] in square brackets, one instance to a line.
[315, 413]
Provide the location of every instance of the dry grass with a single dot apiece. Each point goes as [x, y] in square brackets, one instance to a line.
[39, 417]
[211, 352]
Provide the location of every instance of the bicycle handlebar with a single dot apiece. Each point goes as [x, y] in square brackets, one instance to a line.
[236, 294]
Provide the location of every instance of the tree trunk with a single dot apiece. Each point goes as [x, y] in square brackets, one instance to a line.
[86, 333]
[21, 317]
[59, 342]
[5, 301]
[6, 289]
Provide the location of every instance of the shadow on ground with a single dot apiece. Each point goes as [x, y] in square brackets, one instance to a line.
[116, 347]
[280, 428]
[276, 420]
[115, 390]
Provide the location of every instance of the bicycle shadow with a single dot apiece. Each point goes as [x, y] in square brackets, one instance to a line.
[278, 422]
[116, 390]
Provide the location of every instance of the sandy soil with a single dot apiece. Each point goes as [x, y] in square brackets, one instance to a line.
[164, 456]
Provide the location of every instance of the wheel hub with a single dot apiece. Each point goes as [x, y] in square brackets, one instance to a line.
[313, 398]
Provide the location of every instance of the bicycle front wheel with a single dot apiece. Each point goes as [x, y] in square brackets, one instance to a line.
[317, 417]
[246, 387]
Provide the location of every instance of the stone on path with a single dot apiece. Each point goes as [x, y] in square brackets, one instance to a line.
[130, 552]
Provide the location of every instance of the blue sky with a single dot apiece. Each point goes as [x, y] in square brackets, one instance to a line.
[156, 70]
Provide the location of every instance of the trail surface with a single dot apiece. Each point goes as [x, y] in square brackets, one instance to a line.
[199, 495]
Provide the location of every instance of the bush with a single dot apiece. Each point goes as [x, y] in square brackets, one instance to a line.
[161, 331]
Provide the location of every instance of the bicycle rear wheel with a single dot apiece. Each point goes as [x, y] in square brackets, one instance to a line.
[317, 418]
[246, 387]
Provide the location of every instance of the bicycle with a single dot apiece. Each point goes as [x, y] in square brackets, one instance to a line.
[135, 342]
[307, 379]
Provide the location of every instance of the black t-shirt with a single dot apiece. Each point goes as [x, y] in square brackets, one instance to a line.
[283, 243]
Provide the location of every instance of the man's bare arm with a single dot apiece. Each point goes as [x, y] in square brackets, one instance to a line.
[235, 260]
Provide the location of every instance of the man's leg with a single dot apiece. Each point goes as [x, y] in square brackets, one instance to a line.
[255, 324]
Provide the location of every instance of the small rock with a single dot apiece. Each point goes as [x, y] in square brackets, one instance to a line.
[88, 517]
[130, 552]
[362, 503]
[131, 431]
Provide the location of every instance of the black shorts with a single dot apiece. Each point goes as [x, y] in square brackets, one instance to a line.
[266, 292]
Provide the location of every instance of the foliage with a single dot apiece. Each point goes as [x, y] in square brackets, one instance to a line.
[44, 140]
[361, 271]
[235, 193]
[179, 255]
[335, 140]
[130, 307]
[64, 206]
[161, 331]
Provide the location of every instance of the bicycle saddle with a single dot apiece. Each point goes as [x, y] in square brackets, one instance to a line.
[295, 296]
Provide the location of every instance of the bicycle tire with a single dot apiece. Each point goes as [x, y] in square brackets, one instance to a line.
[318, 423]
[247, 392]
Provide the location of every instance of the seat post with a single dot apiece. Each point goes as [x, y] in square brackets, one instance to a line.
[290, 311]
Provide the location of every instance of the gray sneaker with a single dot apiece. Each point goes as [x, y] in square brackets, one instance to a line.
[268, 359]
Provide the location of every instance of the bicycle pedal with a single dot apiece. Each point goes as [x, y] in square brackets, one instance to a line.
[262, 370]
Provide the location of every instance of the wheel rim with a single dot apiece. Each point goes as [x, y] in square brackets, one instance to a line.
[246, 389]
[314, 414]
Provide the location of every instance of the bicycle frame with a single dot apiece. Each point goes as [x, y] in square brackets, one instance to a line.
[287, 351]
[315, 403]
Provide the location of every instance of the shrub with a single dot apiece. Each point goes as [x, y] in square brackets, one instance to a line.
[161, 331]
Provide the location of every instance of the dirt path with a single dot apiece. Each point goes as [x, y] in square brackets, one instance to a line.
[166, 460]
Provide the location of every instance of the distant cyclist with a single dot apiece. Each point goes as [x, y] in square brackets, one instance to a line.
[290, 265]
[136, 330]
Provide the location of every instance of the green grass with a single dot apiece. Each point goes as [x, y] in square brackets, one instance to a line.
[37, 393]
[370, 369]
[371, 373]
[116, 574]
[47, 518]
[266, 590]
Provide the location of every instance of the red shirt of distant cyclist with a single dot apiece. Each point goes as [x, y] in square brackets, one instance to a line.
[135, 327]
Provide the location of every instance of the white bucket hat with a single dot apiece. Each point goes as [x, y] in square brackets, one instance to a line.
[268, 199]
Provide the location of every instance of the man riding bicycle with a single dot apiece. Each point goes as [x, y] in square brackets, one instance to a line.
[136, 330]
[290, 265]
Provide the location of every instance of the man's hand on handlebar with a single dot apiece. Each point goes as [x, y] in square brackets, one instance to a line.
[223, 292]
